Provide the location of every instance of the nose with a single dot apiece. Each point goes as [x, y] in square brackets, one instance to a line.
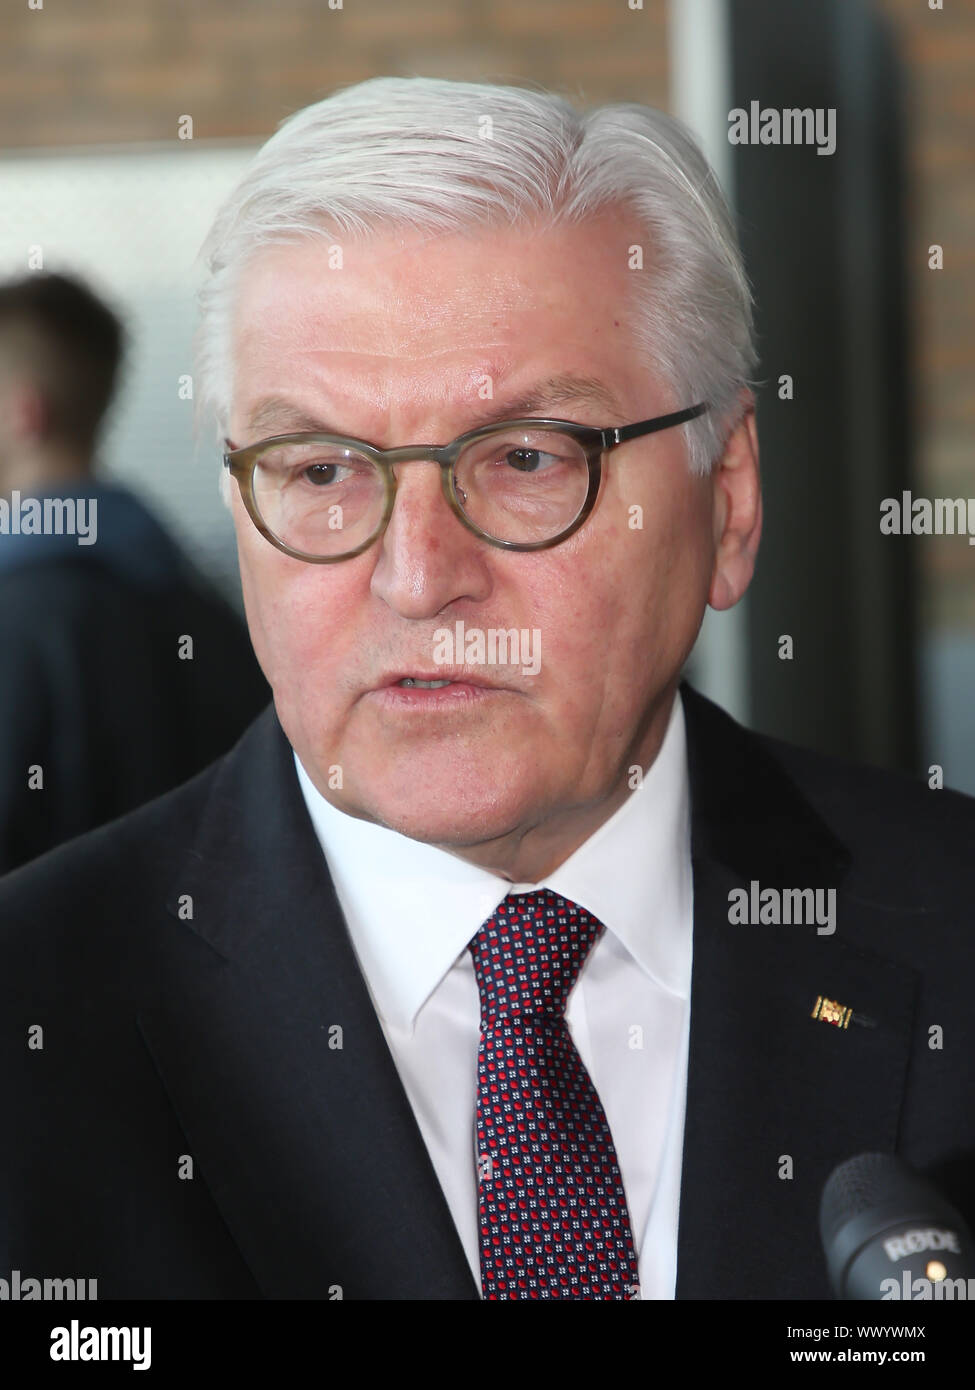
[427, 558]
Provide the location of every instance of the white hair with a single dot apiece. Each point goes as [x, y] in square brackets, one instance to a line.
[445, 157]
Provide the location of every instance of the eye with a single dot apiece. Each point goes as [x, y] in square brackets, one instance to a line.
[319, 474]
[528, 460]
[314, 468]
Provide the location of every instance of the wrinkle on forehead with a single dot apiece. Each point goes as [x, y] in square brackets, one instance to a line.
[419, 326]
[391, 316]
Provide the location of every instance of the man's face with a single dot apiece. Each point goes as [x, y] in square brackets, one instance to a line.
[395, 348]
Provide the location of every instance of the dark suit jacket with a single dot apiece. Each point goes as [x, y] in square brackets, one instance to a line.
[188, 965]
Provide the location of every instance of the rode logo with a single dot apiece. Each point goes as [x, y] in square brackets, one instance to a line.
[915, 1242]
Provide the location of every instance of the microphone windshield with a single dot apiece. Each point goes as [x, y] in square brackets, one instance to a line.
[883, 1226]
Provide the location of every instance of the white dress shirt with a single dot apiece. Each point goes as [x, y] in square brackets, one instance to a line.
[411, 910]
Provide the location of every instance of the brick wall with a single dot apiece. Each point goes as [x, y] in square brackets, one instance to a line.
[101, 72]
[938, 51]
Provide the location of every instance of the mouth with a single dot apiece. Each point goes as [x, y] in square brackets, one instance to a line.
[429, 680]
[443, 690]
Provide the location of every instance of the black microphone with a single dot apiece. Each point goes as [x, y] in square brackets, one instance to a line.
[888, 1233]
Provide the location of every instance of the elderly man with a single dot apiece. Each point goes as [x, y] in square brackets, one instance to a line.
[492, 961]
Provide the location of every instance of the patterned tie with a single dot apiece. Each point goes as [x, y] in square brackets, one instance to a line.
[552, 1210]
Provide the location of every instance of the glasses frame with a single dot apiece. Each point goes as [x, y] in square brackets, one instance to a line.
[595, 443]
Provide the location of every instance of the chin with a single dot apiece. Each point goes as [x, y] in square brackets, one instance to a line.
[457, 816]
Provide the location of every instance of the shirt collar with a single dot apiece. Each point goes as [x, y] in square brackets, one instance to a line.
[410, 922]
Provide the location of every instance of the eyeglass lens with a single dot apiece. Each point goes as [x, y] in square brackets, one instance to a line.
[325, 499]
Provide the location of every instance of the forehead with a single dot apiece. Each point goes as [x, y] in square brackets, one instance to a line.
[409, 320]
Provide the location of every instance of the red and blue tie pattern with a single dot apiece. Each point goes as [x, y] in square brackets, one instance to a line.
[552, 1211]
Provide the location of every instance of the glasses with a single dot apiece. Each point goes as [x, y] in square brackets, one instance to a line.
[522, 485]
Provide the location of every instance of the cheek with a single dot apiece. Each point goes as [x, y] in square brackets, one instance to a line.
[271, 603]
[297, 616]
[676, 553]
[641, 610]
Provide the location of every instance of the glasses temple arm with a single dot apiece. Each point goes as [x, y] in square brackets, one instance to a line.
[662, 422]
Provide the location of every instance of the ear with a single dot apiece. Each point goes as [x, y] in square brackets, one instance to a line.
[736, 510]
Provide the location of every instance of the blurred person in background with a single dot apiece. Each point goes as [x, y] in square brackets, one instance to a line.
[122, 673]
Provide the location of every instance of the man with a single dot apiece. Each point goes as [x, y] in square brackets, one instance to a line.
[438, 986]
[122, 672]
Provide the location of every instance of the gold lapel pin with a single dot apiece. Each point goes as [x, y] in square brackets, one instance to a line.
[828, 1011]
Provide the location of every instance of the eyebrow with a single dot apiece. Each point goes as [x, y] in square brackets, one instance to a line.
[284, 417]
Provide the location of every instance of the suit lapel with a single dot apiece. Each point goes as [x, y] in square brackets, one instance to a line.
[273, 1058]
[768, 1083]
[269, 1048]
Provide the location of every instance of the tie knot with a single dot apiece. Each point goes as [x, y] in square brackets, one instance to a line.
[529, 953]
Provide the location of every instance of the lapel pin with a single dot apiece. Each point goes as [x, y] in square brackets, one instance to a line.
[828, 1011]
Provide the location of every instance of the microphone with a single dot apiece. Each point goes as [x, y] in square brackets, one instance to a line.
[888, 1233]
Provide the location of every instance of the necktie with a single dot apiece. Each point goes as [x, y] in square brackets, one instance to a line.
[552, 1210]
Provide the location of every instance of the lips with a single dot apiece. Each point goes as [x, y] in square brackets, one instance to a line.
[456, 675]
